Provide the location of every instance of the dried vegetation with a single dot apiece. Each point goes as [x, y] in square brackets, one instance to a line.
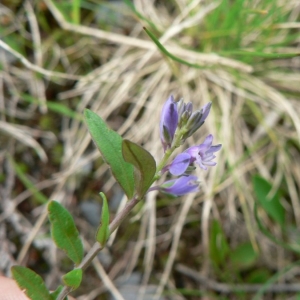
[57, 59]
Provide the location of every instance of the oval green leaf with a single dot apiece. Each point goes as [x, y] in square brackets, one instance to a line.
[243, 256]
[31, 282]
[73, 278]
[103, 230]
[143, 162]
[64, 232]
[272, 205]
[109, 143]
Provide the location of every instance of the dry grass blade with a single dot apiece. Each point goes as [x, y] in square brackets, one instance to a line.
[24, 136]
[33, 67]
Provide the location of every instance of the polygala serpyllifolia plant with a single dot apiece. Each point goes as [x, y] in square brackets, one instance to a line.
[135, 169]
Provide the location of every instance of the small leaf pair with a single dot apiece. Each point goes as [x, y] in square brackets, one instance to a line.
[122, 156]
[66, 237]
[34, 286]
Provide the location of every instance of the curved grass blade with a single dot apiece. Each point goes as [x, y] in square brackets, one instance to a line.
[272, 55]
[59, 108]
[273, 279]
[139, 15]
[270, 236]
[168, 54]
[103, 230]
[64, 232]
[144, 163]
[76, 11]
[38, 196]
[31, 282]
[109, 143]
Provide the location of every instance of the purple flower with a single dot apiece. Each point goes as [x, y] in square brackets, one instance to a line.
[180, 186]
[168, 122]
[203, 155]
[179, 164]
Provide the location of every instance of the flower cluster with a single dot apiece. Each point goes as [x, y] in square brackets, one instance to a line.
[178, 122]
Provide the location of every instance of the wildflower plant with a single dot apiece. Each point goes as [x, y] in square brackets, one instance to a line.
[135, 169]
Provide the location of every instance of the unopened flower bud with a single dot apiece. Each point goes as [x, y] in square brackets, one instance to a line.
[168, 122]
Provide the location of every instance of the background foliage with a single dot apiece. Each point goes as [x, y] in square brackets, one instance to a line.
[235, 238]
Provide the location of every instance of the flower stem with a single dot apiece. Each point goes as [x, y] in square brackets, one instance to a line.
[175, 144]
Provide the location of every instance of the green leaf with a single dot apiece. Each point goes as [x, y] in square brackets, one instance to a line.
[218, 246]
[272, 206]
[103, 230]
[64, 232]
[243, 256]
[31, 282]
[109, 143]
[56, 292]
[144, 163]
[258, 276]
[73, 278]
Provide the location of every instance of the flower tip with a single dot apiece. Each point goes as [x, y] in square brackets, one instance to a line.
[168, 122]
[205, 111]
[171, 98]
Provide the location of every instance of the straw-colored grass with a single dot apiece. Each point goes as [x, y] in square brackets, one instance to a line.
[53, 67]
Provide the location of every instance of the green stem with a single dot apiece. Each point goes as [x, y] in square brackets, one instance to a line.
[97, 247]
[175, 144]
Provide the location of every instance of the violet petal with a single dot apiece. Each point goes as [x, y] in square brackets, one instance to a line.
[181, 186]
[180, 164]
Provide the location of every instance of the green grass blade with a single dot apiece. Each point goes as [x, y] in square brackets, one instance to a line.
[40, 197]
[76, 11]
[270, 236]
[139, 15]
[168, 54]
[59, 108]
